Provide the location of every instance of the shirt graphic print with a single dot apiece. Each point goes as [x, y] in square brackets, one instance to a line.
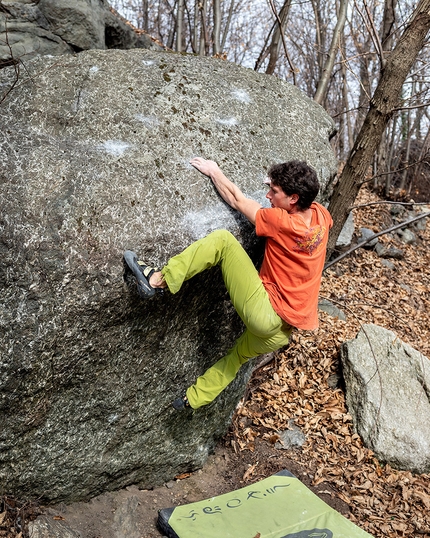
[311, 240]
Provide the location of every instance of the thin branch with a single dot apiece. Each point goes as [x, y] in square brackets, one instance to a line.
[15, 63]
[411, 165]
[389, 202]
[353, 109]
[264, 50]
[372, 237]
[411, 107]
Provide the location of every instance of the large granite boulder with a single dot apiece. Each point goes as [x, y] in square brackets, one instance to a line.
[388, 396]
[94, 159]
[33, 28]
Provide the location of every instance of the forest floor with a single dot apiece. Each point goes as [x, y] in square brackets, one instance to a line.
[296, 386]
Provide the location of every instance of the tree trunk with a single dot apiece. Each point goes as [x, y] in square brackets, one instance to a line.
[365, 84]
[180, 25]
[227, 25]
[388, 24]
[145, 15]
[389, 165]
[203, 29]
[217, 26]
[277, 37]
[319, 36]
[328, 66]
[384, 101]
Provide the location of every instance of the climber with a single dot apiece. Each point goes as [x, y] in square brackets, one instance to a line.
[282, 296]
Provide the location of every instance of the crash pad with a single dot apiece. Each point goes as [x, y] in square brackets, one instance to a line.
[279, 506]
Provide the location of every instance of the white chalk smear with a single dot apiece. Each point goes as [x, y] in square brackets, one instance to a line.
[241, 95]
[260, 196]
[114, 147]
[210, 218]
[148, 121]
[188, 165]
[148, 62]
[94, 69]
[227, 121]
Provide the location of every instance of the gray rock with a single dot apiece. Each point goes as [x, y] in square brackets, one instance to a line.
[389, 252]
[345, 236]
[366, 233]
[47, 527]
[407, 236]
[327, 306]
[94, 159]
[334, 381]
[398, 210]
[388, 264]
[54, 27]
[421, 224]
[387, 394]
[291, 438]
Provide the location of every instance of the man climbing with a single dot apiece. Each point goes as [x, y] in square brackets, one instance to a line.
[270, 303]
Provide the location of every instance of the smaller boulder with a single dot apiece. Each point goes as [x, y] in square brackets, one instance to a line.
[389, 252]
[407, 236]
[345, 236]
[387, 394]
[388, 264]
[45, 526]
[398, 210]
[332, 310]
[366, 234]
[291, 438]
[53, 27]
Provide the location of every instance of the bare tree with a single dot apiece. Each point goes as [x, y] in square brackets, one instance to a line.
[388, 24]
[278, 35]
[227, 25]
[384, 101]
[180, 25]
[216, 34]
[331, 57]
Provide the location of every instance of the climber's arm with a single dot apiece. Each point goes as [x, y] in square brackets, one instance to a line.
[227, 189]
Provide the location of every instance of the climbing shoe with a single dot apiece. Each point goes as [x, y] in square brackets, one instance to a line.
[181, 403]
[142, 274]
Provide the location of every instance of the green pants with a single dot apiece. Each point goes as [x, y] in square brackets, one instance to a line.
[265, 330]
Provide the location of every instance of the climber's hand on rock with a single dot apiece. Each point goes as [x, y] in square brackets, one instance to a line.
[205, 166]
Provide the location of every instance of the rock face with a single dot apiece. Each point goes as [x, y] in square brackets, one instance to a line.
[94, 154]
[388, 396]
[62, 27]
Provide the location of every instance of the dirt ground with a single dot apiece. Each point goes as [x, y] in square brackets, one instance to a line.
[132, 513]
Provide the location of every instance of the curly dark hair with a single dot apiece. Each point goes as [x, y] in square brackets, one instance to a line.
[296, 177]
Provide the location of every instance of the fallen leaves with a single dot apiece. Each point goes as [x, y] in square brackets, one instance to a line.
[182, 476]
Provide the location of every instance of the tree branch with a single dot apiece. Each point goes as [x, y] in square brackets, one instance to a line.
[411, 165]
[388, 230]
[15, 63]
[389, 202]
